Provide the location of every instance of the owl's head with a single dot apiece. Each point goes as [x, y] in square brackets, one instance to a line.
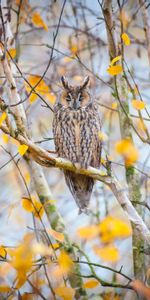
[75, 97]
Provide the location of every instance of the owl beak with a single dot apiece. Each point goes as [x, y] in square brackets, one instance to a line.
[75, 106]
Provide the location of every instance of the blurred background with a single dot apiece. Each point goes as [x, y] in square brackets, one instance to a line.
[78, 47]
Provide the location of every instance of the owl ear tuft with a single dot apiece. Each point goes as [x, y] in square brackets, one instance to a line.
[64, 82]
[85, 82]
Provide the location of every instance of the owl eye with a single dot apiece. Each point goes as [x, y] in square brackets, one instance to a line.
[80, 98]
[68, 98]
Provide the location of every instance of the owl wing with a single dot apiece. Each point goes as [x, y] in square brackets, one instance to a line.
[90, 144]
[77, 140]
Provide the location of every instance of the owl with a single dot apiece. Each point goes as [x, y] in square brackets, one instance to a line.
[76, 127]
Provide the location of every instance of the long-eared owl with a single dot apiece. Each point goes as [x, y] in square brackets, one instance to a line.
[76, 127]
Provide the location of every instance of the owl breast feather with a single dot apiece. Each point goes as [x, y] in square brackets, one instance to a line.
[76, 138]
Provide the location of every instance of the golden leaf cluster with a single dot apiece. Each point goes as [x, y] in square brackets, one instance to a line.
[113, 69]
[33, 206]
[41, 88]
[126, 148]
[109, 230]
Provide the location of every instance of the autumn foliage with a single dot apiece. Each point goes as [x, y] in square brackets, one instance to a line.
[48, 251]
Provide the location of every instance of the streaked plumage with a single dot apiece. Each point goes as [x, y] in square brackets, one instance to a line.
[76, 127]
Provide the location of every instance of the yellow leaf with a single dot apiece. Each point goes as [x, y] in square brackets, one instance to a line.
[125, 39]
[4, 289]
[107, 253]
[88, 232]
[103, 161]
[42, 88]
[103, 173]
[135, 90]
[38, 209]
[5, 138]
[66, 293]
[113, 228]
[52, 98]
[27, 205]
[33, 206]
[102, 136]
[56, 235]
[55, 246]
[114, 105]
[65, 262]
[38, 21]
[21, 259]
[26, 296]
[127, 149]
[68, 59]
[74, 49]
[137, 104]
[39, 248]
[22, 149]
[3, 252]
[32, 98]
[115, 60]
[3, 117]
[12, 52]
[115, 70]
[90, 284]
[27, 177]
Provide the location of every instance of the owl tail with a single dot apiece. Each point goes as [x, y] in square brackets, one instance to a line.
[81, 188]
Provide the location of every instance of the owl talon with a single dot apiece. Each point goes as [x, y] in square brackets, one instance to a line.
[77, 165]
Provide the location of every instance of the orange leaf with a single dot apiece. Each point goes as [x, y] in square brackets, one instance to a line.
[33, 206]
[113, 228]
[127, 149]
[57, 235]
[65, 262]
[137, 104]
[107, 253]
[12, 52]
[42, 88]
[90, 284]
[4, 289]
[74, 49]
[115, 70]
[88, 232]
[27, 205]
[38, 209]
[3, 252]
[38, 21]
[66, 293]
